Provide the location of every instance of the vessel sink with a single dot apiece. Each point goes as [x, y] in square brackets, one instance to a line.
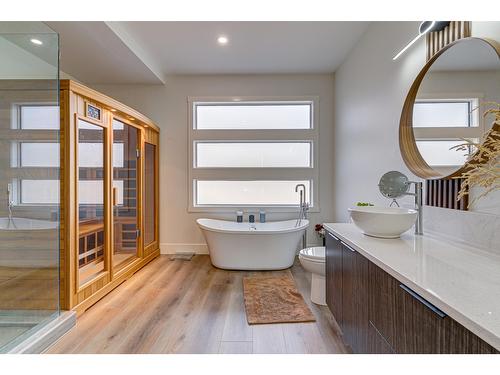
[383, 222]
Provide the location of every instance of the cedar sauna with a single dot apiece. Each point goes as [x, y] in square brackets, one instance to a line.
[109, 194]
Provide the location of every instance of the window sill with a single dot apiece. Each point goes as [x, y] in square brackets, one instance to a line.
[256, 209]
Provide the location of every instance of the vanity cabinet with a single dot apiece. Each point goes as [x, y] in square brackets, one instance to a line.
[347, 296]
[334, 271]
[379, 314]
[354, 297]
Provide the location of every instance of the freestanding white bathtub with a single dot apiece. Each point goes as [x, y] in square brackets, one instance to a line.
[257, 246]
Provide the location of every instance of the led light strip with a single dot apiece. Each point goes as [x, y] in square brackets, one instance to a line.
[415, 39]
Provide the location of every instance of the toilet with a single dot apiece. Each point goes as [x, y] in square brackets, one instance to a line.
[313, 260]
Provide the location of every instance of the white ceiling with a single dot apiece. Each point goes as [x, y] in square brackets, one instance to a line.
[148, 52]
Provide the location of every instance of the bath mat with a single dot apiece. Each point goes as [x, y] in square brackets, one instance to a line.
[274, 299]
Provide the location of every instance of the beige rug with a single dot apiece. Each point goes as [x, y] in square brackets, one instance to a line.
[274, 299]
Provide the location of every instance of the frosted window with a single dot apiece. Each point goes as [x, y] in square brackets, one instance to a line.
[90, 155]
[253, 116]
[438, 153]
[39, 117]
[259, 193]
[39, 154]
[40, 191]
[441, 114]
[253, 155]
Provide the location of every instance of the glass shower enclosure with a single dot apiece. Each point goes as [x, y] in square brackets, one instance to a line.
[29, 180]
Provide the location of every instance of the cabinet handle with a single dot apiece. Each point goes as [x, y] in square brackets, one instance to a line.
[426, 303]
[331, 235]
[346, 245]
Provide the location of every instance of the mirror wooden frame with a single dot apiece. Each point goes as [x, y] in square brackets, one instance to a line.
[407, 144]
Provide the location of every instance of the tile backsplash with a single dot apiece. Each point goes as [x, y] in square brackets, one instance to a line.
[479, 230]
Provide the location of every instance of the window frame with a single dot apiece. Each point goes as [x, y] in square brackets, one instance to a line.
[452, 133]
[20, 173]
[310, 135]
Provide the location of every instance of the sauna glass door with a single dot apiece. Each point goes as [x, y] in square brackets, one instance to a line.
[125, 193]
[91, 193]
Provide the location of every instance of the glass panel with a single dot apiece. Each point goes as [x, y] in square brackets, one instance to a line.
[89, 158]
[253, 155]
[39, 117]
[248, 193]
[439, 153]
[38, 192]
[253, 116]
[90, 199]
[441, 114]
[125, 139]
[39, 154]
[29, 234]
[149, 206]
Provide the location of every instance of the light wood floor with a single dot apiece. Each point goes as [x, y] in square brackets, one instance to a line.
[192, 307]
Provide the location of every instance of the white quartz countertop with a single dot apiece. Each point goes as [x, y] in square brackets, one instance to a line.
[459, 280]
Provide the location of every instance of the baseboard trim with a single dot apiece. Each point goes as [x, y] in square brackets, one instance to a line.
[197, 248]
[173, 248]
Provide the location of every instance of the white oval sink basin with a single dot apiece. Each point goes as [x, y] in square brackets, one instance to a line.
[383, 222]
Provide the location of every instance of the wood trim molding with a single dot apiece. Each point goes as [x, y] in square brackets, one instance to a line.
[106, 101]
[407, 145]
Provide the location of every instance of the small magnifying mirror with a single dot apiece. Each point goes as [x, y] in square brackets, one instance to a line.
[394, 185]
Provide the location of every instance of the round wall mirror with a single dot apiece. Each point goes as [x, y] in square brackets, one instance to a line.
[445, 107]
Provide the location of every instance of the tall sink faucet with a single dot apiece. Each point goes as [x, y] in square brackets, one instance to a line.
[417, 193]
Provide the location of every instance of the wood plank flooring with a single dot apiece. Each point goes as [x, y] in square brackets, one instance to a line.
[191, 307]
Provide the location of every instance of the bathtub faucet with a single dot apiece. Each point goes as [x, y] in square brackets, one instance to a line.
[303, 206]
[10, 204]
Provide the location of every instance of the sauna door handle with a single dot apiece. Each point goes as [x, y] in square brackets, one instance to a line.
[115, 196]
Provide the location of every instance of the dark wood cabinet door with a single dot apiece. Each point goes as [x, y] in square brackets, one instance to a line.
[419, 326]
[382, 302]
[457, 339]
[377, 344]
[334, 276]
[355, 299]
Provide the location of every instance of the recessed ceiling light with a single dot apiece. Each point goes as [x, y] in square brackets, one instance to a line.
[131, 118]
[38, 42]
[222, 40]
[113, 110]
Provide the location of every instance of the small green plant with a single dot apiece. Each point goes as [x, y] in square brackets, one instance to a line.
[363, 204]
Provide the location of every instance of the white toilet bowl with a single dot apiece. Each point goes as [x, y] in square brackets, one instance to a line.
[313, 260]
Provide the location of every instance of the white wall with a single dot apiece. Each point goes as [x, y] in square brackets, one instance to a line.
[168, 107]
[370, 89]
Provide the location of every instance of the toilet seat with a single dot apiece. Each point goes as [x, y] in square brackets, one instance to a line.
[313, 254]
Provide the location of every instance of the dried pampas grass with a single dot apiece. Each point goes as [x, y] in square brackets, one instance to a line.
[484, 163]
